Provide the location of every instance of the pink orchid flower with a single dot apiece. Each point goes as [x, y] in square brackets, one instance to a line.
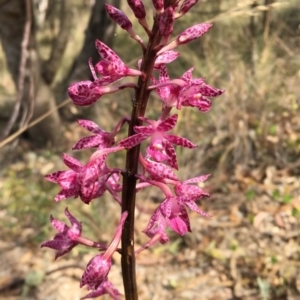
[169, 213]
[101, 139]
[111, 64]
[190, 192]
[161, 143]
[84, 181]
[185, 91]
[65, 240]
[86, 92]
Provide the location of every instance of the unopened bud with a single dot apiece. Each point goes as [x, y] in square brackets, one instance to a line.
[186, 6]
[138, 8]
[118, 16]
[158, 4]
[166, 22]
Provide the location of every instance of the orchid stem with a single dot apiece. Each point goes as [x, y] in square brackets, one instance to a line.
[132, 162]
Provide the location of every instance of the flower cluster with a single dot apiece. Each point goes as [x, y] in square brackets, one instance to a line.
[158, 163]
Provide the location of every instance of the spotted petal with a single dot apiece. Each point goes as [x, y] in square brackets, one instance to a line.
[133, 140]
[72, 162]
[180, 141]
[168, 123]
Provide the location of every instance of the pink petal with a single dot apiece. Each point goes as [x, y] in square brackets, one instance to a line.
[159, 171]
[133, 140]
[90, 126]
[172, 158]
[105, 287]
[210, 91]
[163, 92]
[166, 208]
[168, 123]
[203, 104]
[110, 56]
[58, 225]
[187, 5]
[188, 192]
[197, 179]
[89, 184]
[64, 194]
[165, 58]
[146, 130]
[156, 154]
[157, 225]
[178, 225]
[194, 207]
[106, 80]
[89, 142]
[53, 244]
[67, 179]
[54, 176]
[187, 76]
[76, 225]
[72, 162]
[193, 33]
[163, 74]
[180, 141]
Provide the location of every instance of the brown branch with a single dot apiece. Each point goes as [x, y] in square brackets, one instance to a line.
[28, 112]
[50, 67]
[33, 123]
[22, 67]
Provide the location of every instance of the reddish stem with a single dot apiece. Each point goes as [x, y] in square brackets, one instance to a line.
[132, 160]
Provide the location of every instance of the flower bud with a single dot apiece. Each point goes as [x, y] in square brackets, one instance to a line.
[186, 6]
[158, 4]
[118, 16]
[138, 8]
[166, 22]
[187, 36]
